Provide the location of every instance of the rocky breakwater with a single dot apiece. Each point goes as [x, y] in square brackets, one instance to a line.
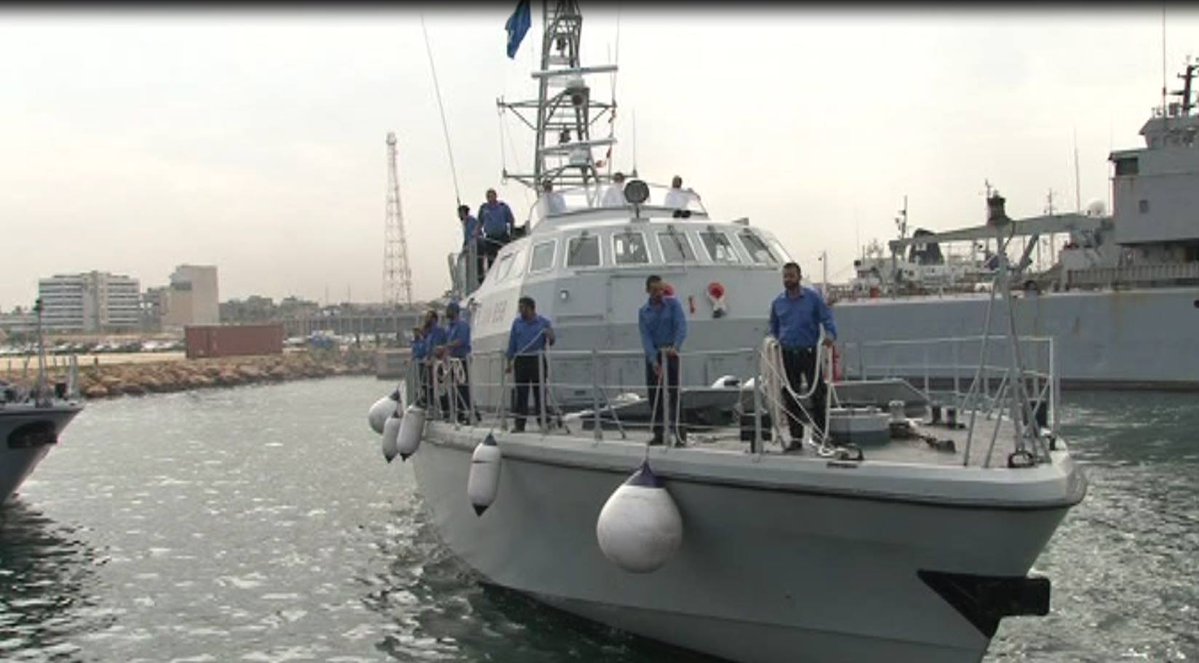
[136, 379]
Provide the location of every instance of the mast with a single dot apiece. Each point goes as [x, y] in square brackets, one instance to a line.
[564, 112]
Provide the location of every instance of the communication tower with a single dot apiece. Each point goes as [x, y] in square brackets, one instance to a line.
[397, 276]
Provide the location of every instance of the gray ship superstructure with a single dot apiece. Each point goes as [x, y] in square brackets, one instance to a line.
[1120, 297]
[904, 532]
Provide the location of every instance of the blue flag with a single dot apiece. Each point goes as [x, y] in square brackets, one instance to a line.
[517, 25]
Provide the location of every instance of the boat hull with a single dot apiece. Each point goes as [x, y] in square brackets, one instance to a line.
[1145, 338]
[782, 558]
[20, 454]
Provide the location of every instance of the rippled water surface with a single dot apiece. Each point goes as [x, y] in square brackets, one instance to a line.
[261, 524]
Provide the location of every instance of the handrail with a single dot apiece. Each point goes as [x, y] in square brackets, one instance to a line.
[587, 376]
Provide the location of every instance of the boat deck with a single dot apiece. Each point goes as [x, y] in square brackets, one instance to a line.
[927, 444]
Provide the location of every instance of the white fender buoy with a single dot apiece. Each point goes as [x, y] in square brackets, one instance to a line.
[412, 427]
[484, 480]
[640, 528]
[391, 435]
[382, 409]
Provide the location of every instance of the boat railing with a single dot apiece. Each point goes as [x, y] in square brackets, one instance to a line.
[972, 374]
[951, 372]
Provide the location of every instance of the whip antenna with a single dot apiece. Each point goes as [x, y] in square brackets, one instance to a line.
[444, 127]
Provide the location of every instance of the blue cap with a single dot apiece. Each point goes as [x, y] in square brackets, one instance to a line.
[451, 307]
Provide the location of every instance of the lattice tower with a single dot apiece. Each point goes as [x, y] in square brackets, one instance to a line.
[397, 275]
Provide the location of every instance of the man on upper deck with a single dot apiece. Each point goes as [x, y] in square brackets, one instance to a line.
[554, 203]
[677, 198]
[796, 317]
[614, 196]
[663, 327]
[498, 222]
[472, 240]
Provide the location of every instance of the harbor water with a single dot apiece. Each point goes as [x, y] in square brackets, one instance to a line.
[261, 523]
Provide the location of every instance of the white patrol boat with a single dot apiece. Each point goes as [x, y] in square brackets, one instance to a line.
[903, 532]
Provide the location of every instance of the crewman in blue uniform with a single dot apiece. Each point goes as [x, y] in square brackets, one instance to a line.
[472, 240]
[526, 359]
[796, 317]
[663, 328]
[432, 336]
[457, 346]
[420, 353]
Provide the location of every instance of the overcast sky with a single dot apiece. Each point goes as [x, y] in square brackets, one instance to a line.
[132, 141]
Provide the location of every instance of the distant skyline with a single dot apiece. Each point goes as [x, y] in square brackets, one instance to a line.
[137, 140]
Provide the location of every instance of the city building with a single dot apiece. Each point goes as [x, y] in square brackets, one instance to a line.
[191, 298]
[92, 302]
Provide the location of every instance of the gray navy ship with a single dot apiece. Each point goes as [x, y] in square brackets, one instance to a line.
[1120, 299]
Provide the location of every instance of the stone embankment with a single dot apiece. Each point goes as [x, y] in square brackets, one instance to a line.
[136, 379]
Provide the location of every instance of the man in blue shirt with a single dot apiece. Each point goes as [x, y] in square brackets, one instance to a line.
[472, 240]
[498, 222]
[420, 352]
[432, 336]
[796, 317]
[663, 328]
[457, 347]
[526, 350]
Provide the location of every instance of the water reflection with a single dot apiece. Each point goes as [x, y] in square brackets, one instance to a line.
[47, 583]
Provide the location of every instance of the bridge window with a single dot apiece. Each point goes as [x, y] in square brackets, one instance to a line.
[628, 248]
[543, 256]
[719, 248]
[1127, 166]
[502, 267]
[676, 246]
[757, 249]
[583, 251]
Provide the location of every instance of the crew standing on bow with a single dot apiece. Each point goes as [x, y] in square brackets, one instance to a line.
[432, 337]
[457, 350]
[498, 223]
[420, 353]
[663, 328]
[526, 359]
[796, 317]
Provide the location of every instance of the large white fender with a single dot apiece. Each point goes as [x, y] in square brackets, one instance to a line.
[484, 480]
[412, 427]
[640, 528]
[391, 436]
[382, 409]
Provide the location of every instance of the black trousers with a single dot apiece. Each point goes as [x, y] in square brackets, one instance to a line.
[480, 258]
[670, 378]
[800, 366]
[463, 392]
[491, 245]
[424, 382]
[527, 379]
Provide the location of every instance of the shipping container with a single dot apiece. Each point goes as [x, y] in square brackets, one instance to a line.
[233, 340]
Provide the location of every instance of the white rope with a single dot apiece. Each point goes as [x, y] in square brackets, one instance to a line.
[774, 381]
